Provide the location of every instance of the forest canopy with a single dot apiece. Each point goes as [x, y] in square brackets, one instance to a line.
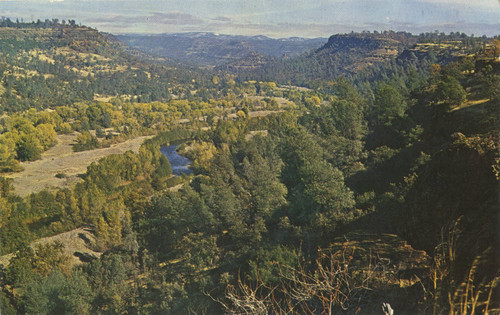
[373, 185]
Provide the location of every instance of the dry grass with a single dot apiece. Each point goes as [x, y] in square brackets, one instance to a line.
[177, 187]
[70, 51]
[258, 113]
[38, 53]
[293, 87]
[73, 241]
[252, 134]
[41, 174]
[470, 103]
[282, 102]
[103, 98]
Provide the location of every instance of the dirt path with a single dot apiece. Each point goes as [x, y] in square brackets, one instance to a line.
[41, 174]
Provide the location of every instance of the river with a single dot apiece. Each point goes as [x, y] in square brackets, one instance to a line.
[179, 163]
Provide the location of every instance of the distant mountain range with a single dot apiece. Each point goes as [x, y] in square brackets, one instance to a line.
[209, 49]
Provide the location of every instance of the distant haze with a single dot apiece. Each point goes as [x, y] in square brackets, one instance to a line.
[274, 18]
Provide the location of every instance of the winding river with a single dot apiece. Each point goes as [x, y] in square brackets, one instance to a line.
[179, 163]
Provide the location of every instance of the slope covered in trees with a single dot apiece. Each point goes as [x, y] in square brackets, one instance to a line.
[358, 54]
[61, 64]
[379, 189]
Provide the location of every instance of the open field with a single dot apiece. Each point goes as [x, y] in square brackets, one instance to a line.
[41, 174]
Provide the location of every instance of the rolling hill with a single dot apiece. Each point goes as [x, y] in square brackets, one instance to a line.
[55, 64]
[208, 49]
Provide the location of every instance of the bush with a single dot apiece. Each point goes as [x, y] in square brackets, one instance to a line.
[60, 175]
[29, 148]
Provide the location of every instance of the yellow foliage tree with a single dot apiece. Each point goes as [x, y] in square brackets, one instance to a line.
[46, 135]
[203, 153]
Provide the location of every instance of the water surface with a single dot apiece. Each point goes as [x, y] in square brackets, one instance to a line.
[179, 163]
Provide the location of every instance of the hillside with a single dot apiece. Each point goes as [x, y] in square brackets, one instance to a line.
[62, 64]
[359, 56]
[208, 49]
[341, 55]
[375, 190]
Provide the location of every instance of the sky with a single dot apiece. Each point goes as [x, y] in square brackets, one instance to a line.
[273, 18]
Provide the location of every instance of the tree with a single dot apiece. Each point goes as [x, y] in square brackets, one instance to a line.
[109, 225]
[318, 195]
[348, 119]
[345, 90]
[85, 141]
[46, 135]
[389, 104]
[99, 132]
[57, 294]
[5, 306]
[14, 234]
[28, 148]
[489, 83]
[107, 279]
[49, 257]
[8, 154]
[164, 169]
[450, 91]
[20, 269]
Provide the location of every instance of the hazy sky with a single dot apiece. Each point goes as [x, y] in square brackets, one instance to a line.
[275, 18]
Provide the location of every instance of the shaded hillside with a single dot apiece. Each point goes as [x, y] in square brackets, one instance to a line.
[213, 49]
[360, 56]
[139, 54]
[342, 55]
[251, 62]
